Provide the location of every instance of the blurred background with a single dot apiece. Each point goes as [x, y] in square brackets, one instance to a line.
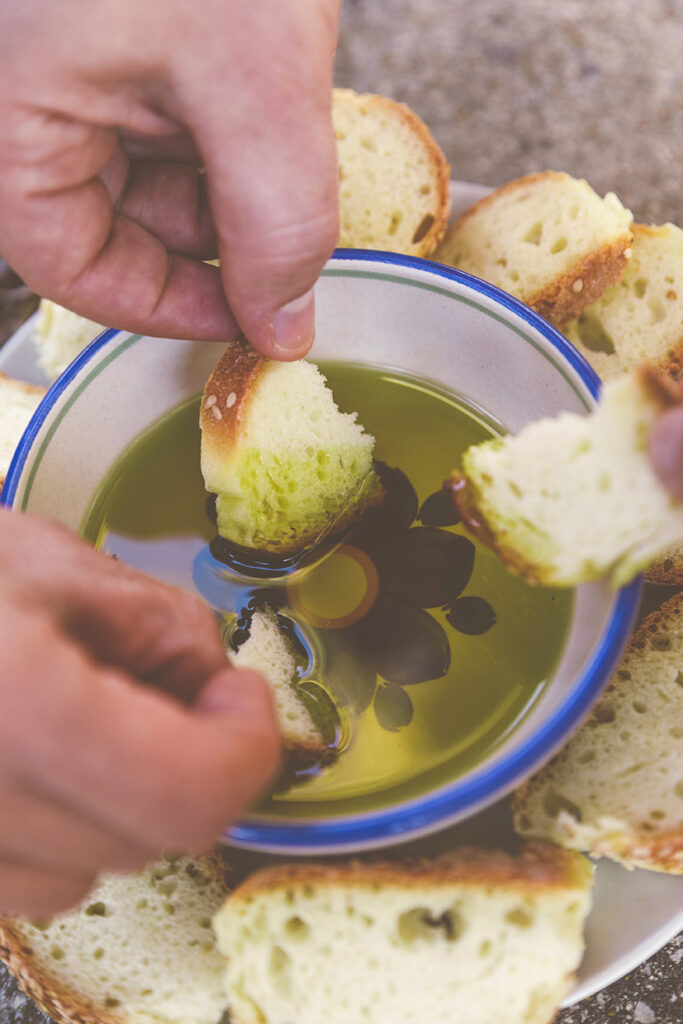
[591, 87]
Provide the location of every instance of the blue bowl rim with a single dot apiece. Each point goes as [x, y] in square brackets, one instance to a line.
[450, 802]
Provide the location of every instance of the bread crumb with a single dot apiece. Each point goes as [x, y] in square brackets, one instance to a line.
[577, 286]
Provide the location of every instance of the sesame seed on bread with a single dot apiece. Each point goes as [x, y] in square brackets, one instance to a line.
[547, 238]
[616, 789]
[394, 181]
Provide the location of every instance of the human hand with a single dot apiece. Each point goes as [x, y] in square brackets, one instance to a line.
[123, 731]
[107, 109]
[666, 450]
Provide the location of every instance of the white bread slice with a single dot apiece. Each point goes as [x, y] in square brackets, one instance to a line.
[641, 317]
[616, 790]
[266, 650]
[18, 402]
[394, 187]
[572, 499]
[60, 335]
[547, 239]
[139, 950]
[478, 936]
[288, 468]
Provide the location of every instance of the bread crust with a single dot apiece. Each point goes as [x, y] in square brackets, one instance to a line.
[57, 999]
[654, 851]
[440, 167]
[540, 867]
[560, 301]
[53, 997]
[226, 396]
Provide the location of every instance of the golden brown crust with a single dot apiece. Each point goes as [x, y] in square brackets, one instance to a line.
[540, 867]
[668, 571]
[441, 172]
[227, 393]
[30, 389]
[569, 293]
[52, 996]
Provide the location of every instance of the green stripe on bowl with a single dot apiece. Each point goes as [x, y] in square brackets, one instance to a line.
[397, 279]
[131, 340]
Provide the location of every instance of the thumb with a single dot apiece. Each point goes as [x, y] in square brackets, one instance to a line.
[271, 166]
[241, 700]
[666, 450]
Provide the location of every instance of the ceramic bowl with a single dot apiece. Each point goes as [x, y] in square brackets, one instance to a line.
[386, 310]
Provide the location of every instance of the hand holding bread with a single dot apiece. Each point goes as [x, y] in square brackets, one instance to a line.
[124, 732]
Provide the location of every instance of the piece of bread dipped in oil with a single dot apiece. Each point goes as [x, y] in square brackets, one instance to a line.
[308, 727]
[286, 466]
[575, 498]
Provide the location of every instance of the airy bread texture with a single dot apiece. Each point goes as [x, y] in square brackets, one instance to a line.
[139, 950]
[477, 936]
[267, 651]
[287, 467]
[60, 335]
[641, 317]
[18, 402]
[616, 790]
[572, 499]
[394, 181]
[547, 239]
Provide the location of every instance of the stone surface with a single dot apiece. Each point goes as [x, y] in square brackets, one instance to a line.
[513, 86]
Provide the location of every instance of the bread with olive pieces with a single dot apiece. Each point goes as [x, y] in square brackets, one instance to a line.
[616, 789]
[548, 239]
[575, 498]
[394, 181]
[139, 950]
[477, 935]
[18, 402]
[287, 467]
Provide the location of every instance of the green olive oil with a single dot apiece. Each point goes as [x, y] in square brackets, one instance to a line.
[429, 648]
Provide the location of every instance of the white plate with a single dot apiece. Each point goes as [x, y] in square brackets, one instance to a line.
[634, 913]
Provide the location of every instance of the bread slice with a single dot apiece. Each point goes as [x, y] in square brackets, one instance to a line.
[616, 790]
[572, 499]
[394, 181]
[287, 467]
[547, 239]
[306, 727]
[641, 317]
[139, 950]
[60, 336]
[477, 936]
[18, 402]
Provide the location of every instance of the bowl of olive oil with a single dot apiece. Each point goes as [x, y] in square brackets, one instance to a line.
[445, 679]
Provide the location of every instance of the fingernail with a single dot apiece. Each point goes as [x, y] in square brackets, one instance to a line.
[294, 325]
